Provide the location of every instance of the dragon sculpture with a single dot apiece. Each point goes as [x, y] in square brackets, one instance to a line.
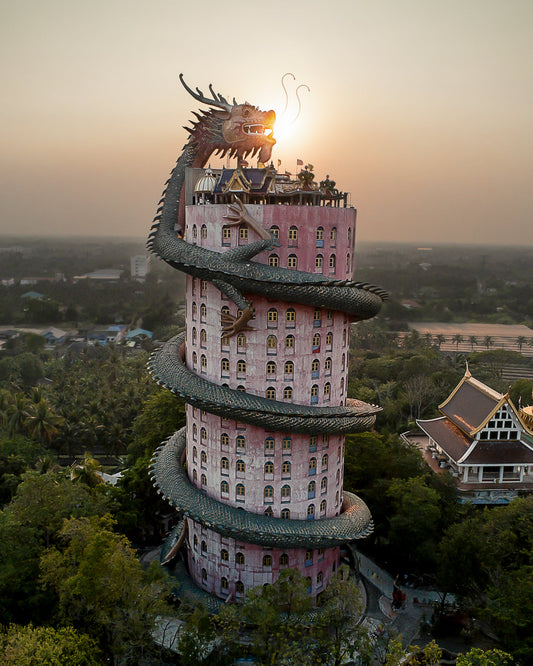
[241, 130]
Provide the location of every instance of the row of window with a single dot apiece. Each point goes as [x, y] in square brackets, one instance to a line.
[239, 585]
[269, 465]
[267, 558]
[292, 234]
[270, 443]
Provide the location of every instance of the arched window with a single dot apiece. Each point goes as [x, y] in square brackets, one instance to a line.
[312, 466]
[342, 385]
[203, 363]
[203, 311]
[203, 458]
[268, 493]
[349, 235]
[194, 231]
[203, 287]
[204, 577]
[240, 441]
[194, 310]
[224, 441]
[327, 364]
[194, 453]
[274, 230]
[273, 260]
[241, 367]
[240, 466]
[286, 445]
[287, 393]
[316, 342]
[290, 317]
[269, 467]
[267, 560]
[272, 318]
[310, 512]
[285, 493]
[272, 344]
[319, 262]
[329, 341]
[203, 338]
[317, 317]
[288, 368]
[224, 555]
[194, 335]
[292, 261]
[315, 369]
[286, 467]
[271, 393]
[239, 587]
[269, 445]
[319, 579]
[203, 480]
[344, 338]
[241, 388]
[194, 476]
[309, 555]
[241, 340]
[203, 231]
[314, 393]
[327, 391]
[240, 491]
[269, 512]
[284, 558]
[194, 359]
[320, 237]
[203, 435]
[224, 584]
[224, 487]
[195, 542]
[312, 443]
[203, 548]
[337, 498]
[324, 485]
[271, 368]
[239, 558]
[224, 367]
[333, 237]
[325, 461]
[285, 514]
[293, 236]
[348, 263]
[224, 343]
[323, 506]
[311, 490]
[289, 342]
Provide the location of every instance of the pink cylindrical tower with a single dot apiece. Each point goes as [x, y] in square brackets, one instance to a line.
[295, 354]
[263, 488]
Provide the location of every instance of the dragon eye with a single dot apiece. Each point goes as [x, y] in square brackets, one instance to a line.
[246, 112]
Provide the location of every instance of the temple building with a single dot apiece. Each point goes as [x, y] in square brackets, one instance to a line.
[256, 475]
[484, 441]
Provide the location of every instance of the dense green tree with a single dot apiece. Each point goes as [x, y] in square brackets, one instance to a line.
[28, 525]
[29, 645]
[102, 588]
[479, 657]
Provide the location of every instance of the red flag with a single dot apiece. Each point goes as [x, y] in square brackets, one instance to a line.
[299, 163]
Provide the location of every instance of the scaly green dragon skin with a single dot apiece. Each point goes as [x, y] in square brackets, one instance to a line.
[222, 130]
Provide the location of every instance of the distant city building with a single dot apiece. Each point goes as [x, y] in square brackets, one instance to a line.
[103, 274]
[484, 440]
[139, 267]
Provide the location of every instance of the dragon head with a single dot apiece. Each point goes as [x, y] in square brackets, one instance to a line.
[240, 129]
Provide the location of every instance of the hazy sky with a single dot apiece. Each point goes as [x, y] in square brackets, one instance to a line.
[421, 109]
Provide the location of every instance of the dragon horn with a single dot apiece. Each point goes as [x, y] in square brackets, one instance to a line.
[216, 100]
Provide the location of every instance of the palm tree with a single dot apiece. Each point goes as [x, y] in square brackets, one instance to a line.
[457, 338]
[87, 471]
[43, 423]
[440, 339]
[428, 338]
[488, 341]
[473, 342]
[520, 341]
[17, 414]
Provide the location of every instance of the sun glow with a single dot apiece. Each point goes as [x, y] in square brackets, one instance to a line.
[283, 128]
